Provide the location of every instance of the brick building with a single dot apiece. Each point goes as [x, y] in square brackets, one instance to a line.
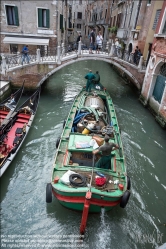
[153, 92]
[35, 23]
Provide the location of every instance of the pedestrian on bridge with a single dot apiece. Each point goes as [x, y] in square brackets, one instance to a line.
[25, 55]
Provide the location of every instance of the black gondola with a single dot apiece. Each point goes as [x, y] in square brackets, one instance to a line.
[16, 129]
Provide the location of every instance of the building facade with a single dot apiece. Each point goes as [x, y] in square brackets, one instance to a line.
[35, 23]
[153, 92]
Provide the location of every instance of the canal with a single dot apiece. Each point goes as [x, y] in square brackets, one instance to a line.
[24, 212]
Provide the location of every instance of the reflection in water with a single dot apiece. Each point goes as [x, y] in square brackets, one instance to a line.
[23, 206]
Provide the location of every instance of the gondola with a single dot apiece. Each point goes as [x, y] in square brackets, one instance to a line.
[8, 106]
[16, 129]
[75, 181]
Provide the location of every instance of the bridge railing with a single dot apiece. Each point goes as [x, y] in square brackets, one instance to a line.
[67, 49]
[48, 54]
[105, 48]
[16, 59]
[56, 54]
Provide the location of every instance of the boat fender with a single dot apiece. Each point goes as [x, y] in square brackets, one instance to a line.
[128, 183]
[57, 142]
[49, 193]
[64, 122]
[125, 199]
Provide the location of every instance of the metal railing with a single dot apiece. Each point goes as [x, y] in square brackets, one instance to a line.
[49, 54]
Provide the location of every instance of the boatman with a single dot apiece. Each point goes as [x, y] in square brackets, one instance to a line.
[97, 81]
[106, 149]
[90, 76]
[97, 78]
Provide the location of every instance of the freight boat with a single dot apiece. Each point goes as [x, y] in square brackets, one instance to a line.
[75, 181]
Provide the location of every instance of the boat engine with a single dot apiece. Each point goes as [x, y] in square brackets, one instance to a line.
[95, 102]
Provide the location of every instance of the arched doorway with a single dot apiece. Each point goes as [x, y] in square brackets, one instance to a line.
[130, 49]
[160, 84]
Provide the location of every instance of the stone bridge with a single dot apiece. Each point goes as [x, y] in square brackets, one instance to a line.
[41, 66]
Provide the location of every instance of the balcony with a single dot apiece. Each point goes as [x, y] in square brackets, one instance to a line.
[100, 22]
[122, 34]
[91, 24]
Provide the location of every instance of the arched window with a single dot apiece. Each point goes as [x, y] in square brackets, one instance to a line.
[160, 84]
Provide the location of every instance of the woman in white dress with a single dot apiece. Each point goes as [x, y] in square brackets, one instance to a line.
[99, 41]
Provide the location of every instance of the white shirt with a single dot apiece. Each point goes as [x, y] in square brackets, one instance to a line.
[99, 39]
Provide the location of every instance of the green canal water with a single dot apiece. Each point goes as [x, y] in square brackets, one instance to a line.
[29, 222]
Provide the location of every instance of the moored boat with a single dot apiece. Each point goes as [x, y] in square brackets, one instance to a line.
[8, 105]
[75, 182]
[16, 129]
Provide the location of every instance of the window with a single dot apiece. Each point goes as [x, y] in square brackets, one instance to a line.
[148, 2]
[156, 19]
[43, 18]
[160, 84]
[101, 15]
[118, 21]
[164, 29]
[13, 48]
[111, 22]
[78, 26]
[12, 15]
[80, 1]
[114, 21]
[61, 22]
[79, 15]
[105, 13]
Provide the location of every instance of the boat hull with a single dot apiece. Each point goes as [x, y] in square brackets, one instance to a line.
[76, 202]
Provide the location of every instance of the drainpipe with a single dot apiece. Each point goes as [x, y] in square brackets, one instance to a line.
[138, 10]
[3, 66]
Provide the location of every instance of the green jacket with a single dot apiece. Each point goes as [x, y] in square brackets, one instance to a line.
[90, 76]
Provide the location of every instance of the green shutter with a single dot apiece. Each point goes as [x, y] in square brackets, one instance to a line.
[40, 18]
[159, 88]
[61, 21]
[47, 18]
[16, 15]
[7, 14]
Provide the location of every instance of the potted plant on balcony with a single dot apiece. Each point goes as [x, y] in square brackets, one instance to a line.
[113, 31]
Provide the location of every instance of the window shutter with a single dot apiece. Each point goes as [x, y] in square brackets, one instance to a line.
[156, 19]
[40, 18]
[16, 15]
[159, 88]
[7, 15]
[61, 21]
[47, 18]
[164, 29]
